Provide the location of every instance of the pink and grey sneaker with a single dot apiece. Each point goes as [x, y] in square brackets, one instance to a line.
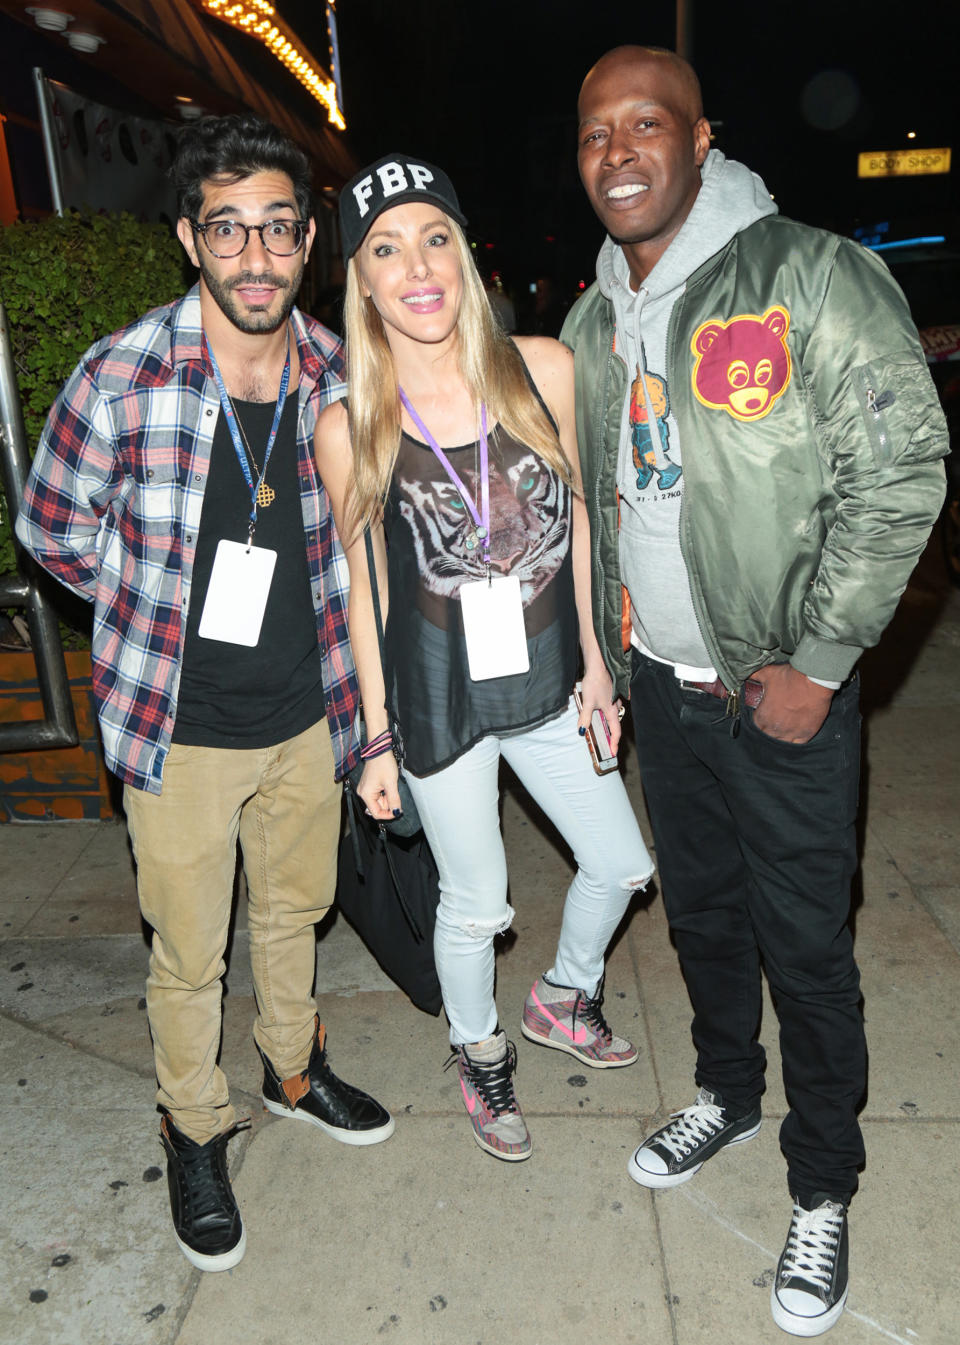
[569, 1020]
[486, 1071]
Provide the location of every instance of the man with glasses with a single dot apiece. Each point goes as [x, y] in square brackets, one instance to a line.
[174, 486]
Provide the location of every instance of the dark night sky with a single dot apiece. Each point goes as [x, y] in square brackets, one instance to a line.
[488, 91]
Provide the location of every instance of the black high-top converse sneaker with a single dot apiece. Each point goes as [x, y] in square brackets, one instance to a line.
[810, 1290]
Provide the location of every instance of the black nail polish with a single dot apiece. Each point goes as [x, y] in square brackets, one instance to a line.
[582, 732]
[398, 812]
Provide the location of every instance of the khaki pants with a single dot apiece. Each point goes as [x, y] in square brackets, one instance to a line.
[283, 806]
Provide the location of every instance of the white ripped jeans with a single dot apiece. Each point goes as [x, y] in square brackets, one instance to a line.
[459, 807]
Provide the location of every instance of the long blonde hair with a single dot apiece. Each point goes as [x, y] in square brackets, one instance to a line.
[489, 362]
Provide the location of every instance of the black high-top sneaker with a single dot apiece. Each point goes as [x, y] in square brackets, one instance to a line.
[206, 1220]
[318, 1096]
[810, 1290]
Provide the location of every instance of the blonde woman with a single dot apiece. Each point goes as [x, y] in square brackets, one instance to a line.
[458, 444]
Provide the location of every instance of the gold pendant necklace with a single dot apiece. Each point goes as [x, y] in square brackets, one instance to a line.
[265, 495]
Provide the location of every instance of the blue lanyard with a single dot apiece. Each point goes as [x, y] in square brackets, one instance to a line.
[238, 447]
[482, 519]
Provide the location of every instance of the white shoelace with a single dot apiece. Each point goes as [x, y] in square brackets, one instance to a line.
[692, 1126]
[812, 1243]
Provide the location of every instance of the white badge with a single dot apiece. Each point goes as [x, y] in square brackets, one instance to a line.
[237, 593]
[493, 625]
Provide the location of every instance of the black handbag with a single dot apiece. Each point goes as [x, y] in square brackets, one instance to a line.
[408, 823]
[387, 887]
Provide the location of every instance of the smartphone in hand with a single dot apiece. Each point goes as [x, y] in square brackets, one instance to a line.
[598, 738]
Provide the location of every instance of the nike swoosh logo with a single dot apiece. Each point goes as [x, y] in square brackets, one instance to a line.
[578, 1037]
[472, 1102]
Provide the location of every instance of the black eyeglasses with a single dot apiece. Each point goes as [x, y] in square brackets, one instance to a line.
[228, 237]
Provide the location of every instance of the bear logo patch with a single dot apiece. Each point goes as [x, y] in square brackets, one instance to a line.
[743, 365]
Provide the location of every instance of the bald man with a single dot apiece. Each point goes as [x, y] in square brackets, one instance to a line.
[760, 443]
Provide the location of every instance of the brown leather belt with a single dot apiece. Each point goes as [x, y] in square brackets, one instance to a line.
[752, 691]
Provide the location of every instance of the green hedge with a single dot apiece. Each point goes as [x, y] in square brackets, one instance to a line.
[65, 282]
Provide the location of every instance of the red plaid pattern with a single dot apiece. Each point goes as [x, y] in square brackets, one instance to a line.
[112, 507]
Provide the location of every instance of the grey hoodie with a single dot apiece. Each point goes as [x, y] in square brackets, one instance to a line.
[649, 471]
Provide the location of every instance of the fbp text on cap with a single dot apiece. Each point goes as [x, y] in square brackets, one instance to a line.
[390, 181]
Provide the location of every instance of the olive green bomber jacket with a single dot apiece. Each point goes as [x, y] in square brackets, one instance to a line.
[811, 438]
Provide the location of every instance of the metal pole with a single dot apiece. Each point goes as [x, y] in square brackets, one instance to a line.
[685, 29]
[59, 726]
[14, 459]
[49, 143]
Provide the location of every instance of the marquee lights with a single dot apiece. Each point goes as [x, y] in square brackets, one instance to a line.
[260, 20]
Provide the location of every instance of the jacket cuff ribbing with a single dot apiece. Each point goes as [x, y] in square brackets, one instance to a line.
[816, 657]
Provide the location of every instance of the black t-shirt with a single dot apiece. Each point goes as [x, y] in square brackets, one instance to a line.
[232, 695]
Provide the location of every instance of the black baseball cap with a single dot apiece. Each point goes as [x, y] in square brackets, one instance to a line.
[390, 181]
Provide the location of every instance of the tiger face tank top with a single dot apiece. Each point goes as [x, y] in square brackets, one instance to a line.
[437, 709]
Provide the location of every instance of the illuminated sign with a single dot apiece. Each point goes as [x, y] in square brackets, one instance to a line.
[334, 51]
[260, 20]
[903, 163]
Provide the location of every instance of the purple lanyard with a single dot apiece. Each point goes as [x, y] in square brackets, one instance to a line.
[482, 519]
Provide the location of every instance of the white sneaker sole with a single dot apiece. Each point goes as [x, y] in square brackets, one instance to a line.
[358, 1138]
[660, 1181]
[805, 1326]
[225, 1261]
[498, 1153]
[570, 1049]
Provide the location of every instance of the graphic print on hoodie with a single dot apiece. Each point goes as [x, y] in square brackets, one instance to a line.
[651, 443]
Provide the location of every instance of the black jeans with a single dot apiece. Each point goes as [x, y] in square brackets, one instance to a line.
[756, 849]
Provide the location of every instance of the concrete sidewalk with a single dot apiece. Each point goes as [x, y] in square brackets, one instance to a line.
[425, 1239]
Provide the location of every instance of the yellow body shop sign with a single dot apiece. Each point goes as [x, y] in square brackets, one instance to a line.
[903, 163]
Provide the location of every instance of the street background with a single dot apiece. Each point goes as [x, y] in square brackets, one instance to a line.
[425, 1240]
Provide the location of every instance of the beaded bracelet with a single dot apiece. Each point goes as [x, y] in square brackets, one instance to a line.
[382, 743]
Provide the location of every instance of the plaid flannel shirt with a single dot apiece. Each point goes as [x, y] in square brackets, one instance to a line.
[112, 508]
